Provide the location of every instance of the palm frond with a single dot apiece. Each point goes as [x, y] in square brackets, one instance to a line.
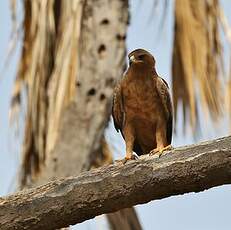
[47, 70]
[62, 83]
[227, 31]
[197, 59]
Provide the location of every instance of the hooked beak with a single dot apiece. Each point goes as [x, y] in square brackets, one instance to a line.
[132, 59]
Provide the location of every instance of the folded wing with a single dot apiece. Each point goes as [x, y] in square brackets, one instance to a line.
[118, 108]
[163, 91]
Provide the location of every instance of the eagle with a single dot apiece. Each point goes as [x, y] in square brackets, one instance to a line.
[142, 107]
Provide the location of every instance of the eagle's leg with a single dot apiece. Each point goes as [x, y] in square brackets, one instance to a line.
[129, 136]
[161, 141]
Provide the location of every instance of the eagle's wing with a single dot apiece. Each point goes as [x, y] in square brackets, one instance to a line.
[163, 91]
[118, 108]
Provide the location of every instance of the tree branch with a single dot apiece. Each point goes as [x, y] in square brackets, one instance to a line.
[69, 201]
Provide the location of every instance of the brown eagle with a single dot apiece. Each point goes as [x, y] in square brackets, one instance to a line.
[142, 107]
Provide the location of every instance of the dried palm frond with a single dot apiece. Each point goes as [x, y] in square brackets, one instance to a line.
[33, 74]
[14, 36]
[47, 70]
[228, 90]
[228, 94]
[197, 59]
[62, 82]
[227, 31]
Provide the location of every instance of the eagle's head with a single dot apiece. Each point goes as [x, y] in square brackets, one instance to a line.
[141, 58]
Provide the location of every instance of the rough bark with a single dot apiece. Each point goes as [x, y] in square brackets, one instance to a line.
[69, 201]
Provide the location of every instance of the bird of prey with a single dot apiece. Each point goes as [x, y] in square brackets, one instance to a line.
[142, 107]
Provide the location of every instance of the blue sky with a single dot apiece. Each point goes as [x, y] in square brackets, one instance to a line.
[209, 210]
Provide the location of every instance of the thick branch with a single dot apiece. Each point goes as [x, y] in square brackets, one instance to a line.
[73, 200]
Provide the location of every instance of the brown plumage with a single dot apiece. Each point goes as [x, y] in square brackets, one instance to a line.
[142, 108]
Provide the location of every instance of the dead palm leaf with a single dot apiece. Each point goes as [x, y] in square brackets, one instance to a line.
[197, 59]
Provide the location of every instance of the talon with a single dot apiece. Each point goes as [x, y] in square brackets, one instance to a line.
[133, 157]
[159, 151]
[154, 151]
[168, 147]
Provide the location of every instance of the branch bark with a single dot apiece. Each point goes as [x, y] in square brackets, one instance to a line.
[72, 200]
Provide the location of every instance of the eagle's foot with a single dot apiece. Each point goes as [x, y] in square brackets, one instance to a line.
[132, 157]
[156, 151]
[159, 151]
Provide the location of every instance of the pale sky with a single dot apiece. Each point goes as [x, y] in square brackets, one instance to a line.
[209, 210]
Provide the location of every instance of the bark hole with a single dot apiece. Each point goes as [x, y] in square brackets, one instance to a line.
[120, 37]
[102, 97]
[91, 92]
[102, 50]
[105, 21]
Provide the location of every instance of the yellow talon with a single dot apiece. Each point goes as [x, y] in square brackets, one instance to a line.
[159, 151]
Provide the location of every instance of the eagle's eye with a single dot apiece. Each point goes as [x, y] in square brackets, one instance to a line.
[141, 57]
